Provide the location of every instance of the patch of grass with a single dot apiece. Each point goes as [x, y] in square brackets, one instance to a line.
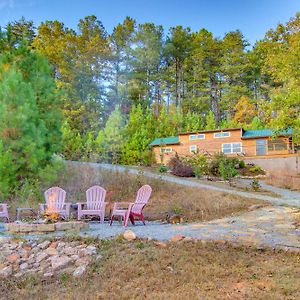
[180, 271]
[192, 203]
[286, 181]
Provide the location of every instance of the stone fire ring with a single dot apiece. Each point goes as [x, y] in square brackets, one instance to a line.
[45, 228]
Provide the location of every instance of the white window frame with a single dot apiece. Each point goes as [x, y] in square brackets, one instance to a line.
[200, 136]
[192, 151]
[221, 132]
[166, 150]
[233, 147]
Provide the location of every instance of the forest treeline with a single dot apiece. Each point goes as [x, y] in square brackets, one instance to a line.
[115, 92]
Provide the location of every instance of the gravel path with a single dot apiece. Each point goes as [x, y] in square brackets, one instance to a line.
[288, 198]
[284, 193]
[268, 226]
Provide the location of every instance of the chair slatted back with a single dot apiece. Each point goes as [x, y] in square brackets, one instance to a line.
[55, 199]
[142, 198]
[95, 196]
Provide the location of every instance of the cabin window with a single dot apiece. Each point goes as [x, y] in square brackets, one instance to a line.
[277, 145]
[232, 148]
[197, 136]
[221, 134]
[193, 148]
[166, 150]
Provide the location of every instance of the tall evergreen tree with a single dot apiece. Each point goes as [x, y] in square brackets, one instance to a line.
[113, 136]
[121, 41]
[31, 119]
[176, 51]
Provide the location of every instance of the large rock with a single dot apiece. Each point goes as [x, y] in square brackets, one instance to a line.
[176, 238]
[48, 274]
[24, 266]
[82, 261]
[129, 235]
[53, 245]
[51, 251]
[44, 245]
[79, 271]
[13, 258]
[70, 251]
[91, 250]
[60, 262]
[41, 256]
[6, 272]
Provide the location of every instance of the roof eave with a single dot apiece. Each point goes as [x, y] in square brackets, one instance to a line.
[164, 144]
[208, 131]
[264, 136]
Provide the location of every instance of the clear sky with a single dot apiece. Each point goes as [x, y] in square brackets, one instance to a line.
[252, 17]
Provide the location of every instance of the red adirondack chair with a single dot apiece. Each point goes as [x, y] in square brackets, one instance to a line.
[55, 202]
[4, 211]
[95, 203]
[132, 210]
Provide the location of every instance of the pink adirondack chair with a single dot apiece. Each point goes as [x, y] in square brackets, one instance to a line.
[131, 210]
[55, 202]
[95, 203]
[4, 211]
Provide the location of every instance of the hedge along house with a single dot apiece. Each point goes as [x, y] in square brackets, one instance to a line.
[232, 141]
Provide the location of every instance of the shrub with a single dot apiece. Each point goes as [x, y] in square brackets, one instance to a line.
[224, 166]
[255, 185]
[256, 169]
[162, 169]
[179, 168]
[227, 169]
[242, 164]
[218, 159]
[199, 164]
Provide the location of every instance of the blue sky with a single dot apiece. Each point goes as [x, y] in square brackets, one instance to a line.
[252, 17]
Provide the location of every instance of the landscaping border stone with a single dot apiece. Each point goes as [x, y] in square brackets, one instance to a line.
[20, 228]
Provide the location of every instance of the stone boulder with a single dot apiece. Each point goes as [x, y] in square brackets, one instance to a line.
[60, 262]
[78, 272]
[176, 238]
[6, 272]
[129, 235]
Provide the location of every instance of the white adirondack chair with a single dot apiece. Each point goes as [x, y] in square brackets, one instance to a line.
[4, 211]
[95, 203]
[131, 210]
[55, 202]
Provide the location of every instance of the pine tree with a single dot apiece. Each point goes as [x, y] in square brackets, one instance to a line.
[139, 132]
[192, 122]
[210, 121]
[73, 145]
[113, 135]
[30, 120]
[256, 123]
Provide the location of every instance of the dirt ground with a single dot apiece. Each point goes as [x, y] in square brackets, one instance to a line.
[182, 270]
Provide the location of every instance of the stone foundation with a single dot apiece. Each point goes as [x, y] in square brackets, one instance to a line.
[20, 228]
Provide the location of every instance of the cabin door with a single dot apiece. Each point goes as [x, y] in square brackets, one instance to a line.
[261, 147]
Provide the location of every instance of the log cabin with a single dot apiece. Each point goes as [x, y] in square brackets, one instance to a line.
[231, 141]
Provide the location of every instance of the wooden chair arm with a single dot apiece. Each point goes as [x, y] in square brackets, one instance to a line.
[123, 205]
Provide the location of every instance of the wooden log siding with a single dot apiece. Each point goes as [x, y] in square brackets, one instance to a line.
[211, 144]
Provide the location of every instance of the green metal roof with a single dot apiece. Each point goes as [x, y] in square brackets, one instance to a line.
[250, 134]
[165, 141]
